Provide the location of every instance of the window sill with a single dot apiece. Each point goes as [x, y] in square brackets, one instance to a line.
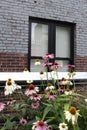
[23, 76]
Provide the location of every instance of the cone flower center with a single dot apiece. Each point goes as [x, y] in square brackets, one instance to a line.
[31, 86]
[72, 110]
[35, 95]
[63, 126]
[41, 123]
[9, 82]
[41, 72]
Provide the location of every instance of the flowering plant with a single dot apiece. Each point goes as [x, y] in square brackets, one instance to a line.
[51, 105]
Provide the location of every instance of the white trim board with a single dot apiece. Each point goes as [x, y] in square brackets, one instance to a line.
[23, 76]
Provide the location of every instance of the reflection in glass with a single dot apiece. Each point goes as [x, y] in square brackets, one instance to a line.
[62, 42]
[39, 39]
[36, 68]
[63, 63]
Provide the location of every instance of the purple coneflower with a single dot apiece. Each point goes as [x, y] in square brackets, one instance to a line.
[40, 125]
[48, 56]
[35, 97]
[51, 95]
[2, 106]
[31, 90]
[35, 105]
[46, 64]
[23, 121]
[55, 66]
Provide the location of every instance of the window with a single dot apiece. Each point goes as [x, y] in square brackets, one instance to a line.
[47, 36]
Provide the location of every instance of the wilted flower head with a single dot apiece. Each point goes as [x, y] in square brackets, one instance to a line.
[40, 125]
[72, 114]
[63, 126]
[2, 106]
[48, 56]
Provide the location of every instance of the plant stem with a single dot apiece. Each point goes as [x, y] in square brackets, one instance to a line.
[75, 127]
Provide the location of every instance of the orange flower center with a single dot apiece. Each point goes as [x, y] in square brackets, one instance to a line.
[49, 84]
[41, 72]
[72, 110]
[63, 79]
[35, 95]
[9, 81]
[41, 123]
[25, 69]
[51, 93]
[55, 63]
[62, 87]
[67, 89]
[31, 86]
[37, 60]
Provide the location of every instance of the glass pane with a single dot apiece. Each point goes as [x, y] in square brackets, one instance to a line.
[63, 63]
[62, 41]
[36, 68]
[39, 39]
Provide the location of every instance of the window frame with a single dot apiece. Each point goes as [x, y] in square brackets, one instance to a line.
[52, 37]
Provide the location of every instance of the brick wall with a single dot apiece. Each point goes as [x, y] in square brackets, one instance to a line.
[14, 28]
[12, 61]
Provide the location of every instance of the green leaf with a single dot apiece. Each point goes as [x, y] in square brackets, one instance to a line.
[46, 111]
[47, 104]
[50, 119]
[9, 125]
[3, 128]
[66, 106]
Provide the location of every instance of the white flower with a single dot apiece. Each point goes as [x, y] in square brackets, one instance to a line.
[33, 127]
[72, 115]
[86, 100]
[9, 90]
[17, 86]
[10, 87]
[50, 87]
[29, 81]
[25, 70]
[68, 92]
[63, 126]
[42, 75]
[37, 62]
